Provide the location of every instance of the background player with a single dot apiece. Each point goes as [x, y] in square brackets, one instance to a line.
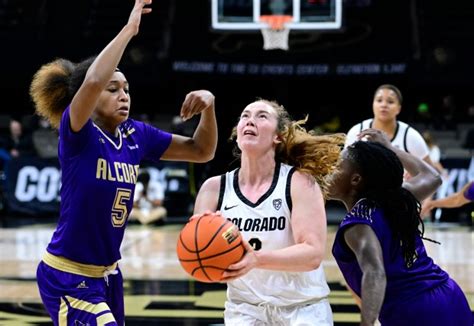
[100, 150]
[386, 106]
[148, 200]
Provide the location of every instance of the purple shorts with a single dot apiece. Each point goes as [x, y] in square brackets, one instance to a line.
[444, 305]
[72, 299]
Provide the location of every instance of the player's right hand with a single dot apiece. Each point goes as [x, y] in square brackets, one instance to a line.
[136, 15]
[243, 266]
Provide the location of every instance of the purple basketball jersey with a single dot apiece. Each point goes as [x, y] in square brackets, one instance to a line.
[402, 282]
[99, 172]
[422, 294]
[469, 193]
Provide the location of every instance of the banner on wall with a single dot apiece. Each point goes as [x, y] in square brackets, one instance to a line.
[32, 185]
[458, 173]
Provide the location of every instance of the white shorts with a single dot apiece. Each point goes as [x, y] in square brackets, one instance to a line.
[238, 314]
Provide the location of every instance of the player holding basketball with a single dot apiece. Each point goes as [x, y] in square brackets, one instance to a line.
[379, 246]
[279, 210]
[100, 150]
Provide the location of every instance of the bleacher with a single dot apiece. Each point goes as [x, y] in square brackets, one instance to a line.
[451, 142]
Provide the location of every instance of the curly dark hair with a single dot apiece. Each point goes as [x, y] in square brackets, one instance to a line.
[382, 179]
[54, 85]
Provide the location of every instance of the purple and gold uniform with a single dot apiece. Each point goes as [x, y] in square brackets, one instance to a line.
[79, 279]
[469, 193]
[422, 294]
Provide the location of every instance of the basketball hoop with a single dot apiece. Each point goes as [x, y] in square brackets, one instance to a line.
[276, 33]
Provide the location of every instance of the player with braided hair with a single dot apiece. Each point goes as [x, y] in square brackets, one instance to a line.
[379, 246]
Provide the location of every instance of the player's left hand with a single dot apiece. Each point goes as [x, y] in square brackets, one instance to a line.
[375, 135]
[242, 267]
[196, 102]
[206, 212]
[138, 10]
[426, 207]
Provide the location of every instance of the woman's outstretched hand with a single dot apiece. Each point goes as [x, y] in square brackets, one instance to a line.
[196, 102]
[375, 135]
[136, 15]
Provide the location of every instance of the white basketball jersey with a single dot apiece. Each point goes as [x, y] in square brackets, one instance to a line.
[400, 137]
[405, 138]
[266, 226]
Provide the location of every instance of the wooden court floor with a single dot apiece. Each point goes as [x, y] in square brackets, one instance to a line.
[158, 292]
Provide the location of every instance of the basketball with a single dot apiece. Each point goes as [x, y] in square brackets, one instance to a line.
[207, 246]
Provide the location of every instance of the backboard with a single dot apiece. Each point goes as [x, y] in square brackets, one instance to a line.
[234, 15]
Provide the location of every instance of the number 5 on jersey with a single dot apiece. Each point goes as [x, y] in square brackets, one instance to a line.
[119, 209]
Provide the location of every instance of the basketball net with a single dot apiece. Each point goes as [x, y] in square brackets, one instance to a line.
[275, 35]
